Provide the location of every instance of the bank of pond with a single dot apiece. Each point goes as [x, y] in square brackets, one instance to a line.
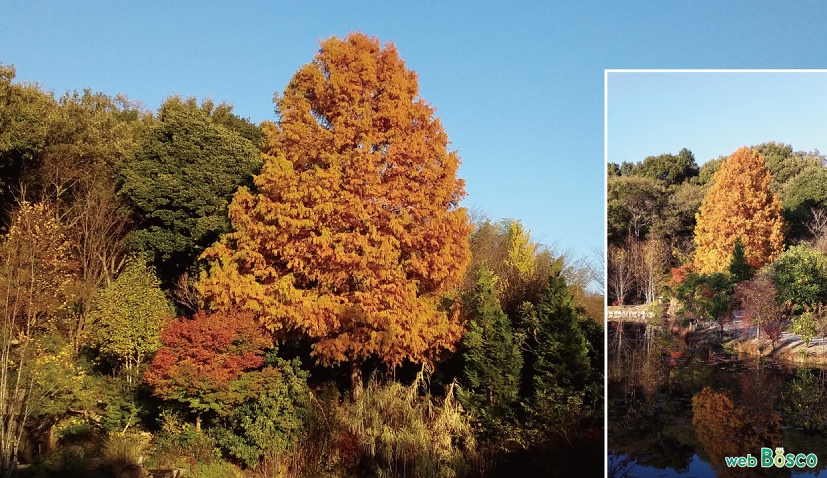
[685, 405]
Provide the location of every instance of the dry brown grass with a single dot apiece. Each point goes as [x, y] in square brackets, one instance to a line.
[408, 433]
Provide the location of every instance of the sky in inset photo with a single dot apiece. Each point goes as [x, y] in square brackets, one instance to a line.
[713, 113]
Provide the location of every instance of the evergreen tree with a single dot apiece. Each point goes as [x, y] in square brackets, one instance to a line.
[559, 362]
[492, 356]
[181, 181]
[738, 266]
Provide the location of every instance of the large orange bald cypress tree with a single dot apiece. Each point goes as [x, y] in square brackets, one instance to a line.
[354, 229]
[739, 204]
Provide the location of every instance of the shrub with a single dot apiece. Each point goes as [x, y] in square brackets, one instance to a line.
[707, 296]
[180, 446]
[271, 416]
[805, 326]
[123, 449]
[217, 469]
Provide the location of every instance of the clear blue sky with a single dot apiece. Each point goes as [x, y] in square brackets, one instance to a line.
[518, 85]
[713, 113]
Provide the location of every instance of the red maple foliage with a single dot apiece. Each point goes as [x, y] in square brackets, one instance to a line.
[679, 274]
[202, 355]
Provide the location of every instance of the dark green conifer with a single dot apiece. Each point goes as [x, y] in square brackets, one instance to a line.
[492, 359]
[738, 266]
[560, 366]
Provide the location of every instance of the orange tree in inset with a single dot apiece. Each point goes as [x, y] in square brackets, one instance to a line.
[353, 231]
[740, 203]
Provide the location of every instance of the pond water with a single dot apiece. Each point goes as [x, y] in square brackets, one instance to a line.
[680, 407]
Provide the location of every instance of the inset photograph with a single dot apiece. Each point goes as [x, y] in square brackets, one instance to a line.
[716, 272]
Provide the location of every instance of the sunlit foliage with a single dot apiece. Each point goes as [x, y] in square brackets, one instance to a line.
[353, 231]
[739, 204]
[201, 356]
[127, 317]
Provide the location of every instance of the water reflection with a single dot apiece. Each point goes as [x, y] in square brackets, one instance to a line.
[678, 405]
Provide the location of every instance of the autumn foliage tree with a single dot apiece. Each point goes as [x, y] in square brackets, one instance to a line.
[353, 230]
[520, 265]
[201, 356]
[740, 203]
[36, 278]
[758, 297]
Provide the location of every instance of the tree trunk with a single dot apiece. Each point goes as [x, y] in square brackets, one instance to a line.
[355, 379]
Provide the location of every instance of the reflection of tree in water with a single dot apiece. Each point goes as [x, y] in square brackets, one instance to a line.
[644, 422]
[760, 388]
[804, 403]
[726, 429]
[803, 408]
[635, 358]
[662, 411]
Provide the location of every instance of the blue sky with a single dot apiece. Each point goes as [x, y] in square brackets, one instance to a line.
[517, 85]
[713, 113]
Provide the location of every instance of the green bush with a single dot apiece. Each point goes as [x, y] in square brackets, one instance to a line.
[271, 417]
[707, 296]
[805, 326]
[180, 446]
[217, 469]
[800, 275]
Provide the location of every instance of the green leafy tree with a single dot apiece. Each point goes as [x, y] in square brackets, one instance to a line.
[26, 114]
[800, 275]
[706, 176]
[785, 165]
[180, 183]
[677, 219]
[805, 325]
[805, 192]
[127, 317]
[633, 205]
[669, 168]
[492, 358]
[707, 296]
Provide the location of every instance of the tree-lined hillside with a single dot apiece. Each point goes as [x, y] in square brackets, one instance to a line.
[304, 297]
[768, 195]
